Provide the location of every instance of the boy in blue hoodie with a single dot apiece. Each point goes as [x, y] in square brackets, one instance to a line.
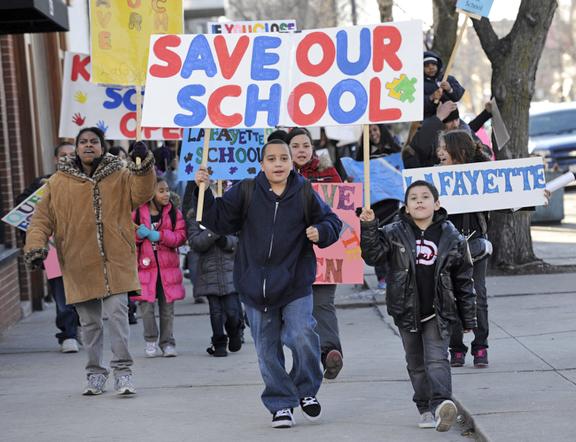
[274, 270]
[430, 288]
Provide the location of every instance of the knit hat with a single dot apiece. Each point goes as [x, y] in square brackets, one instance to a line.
[430, 59]
[454, 115]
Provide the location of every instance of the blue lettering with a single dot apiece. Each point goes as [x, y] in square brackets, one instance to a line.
[353, 68]
[459, 186]
[473, 179]
[261, 58]
[539, 178]
[186, 101]
[128, 100]
[488, 176]
[507, 173]
[113, 93]
[525, 172]
[444, 177]
[199, 58]
[226, 155]
[255, 105]
[360, 98]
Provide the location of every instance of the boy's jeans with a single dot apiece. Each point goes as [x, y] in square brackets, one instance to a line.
[292, 326]
[428, 366]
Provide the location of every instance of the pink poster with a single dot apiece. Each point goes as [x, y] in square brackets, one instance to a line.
[341, 263]
[51, 264]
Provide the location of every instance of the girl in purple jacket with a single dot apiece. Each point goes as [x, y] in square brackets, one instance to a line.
[161, 230]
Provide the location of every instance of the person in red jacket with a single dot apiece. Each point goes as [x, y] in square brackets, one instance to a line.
[161, 230]
[319, 169]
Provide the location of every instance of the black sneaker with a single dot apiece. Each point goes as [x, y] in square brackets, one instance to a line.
[311, 408]
[457, 358]
[480, 358]
[333, 364]
[283, 418]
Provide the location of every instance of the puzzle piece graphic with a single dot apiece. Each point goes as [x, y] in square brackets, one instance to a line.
[233, 170]
[188, 157]
[210, 171]
[402, 88]
[189, 169]
[252, 170]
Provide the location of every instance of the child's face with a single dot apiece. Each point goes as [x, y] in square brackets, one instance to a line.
[430, 69]
[277, 163]
[162, 196]
[420, 204]
[443, 155]
[301, 148]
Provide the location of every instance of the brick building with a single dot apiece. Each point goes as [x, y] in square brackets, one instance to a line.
[31, 47]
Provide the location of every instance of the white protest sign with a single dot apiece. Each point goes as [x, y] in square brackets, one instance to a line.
[500, 132]
[325, 77]
[491, 185]
[21, 215]
[111, 109]
[251, 27]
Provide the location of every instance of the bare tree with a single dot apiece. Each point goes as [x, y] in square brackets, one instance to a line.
[445, 27]
[514, 59]
[385, 7]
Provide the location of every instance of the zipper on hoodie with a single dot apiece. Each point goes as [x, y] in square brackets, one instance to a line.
[270, 250]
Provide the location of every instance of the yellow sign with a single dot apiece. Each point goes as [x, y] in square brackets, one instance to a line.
[121, 32]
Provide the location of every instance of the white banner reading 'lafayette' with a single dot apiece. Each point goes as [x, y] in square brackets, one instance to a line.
[480, 187]
[325, 77]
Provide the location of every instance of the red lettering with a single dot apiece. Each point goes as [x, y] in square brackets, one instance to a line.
[229, 62]
[334, 270]
[126, 118]
[319, 264]
[214, 102]
[386, 42]
[79, 64]
[134, 3]
[171, 58]
[303, 51]
[320, 103]
[171, 133]
[375, 112]
[229, 28]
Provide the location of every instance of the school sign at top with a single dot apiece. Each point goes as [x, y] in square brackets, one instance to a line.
[326, 77]
[475, 8]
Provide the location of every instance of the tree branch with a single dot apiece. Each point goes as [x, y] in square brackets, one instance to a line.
[488, 38]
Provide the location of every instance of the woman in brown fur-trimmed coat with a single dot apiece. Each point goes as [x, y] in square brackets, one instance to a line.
[87, 209]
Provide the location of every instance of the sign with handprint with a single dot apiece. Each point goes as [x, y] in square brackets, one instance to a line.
[112, 109]
[120, 36]
[234, 154]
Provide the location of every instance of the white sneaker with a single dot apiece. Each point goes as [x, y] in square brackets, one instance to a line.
[427, 420]
[283, 418]
[124, 385]
[69, 345]
[170, 351]
[151, 350]
[446, 414]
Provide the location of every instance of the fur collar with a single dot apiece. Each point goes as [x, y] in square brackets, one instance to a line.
[108, 165]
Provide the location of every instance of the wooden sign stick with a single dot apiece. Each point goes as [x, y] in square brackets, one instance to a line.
[366, 148]
[138, 119]
[202, 188]
[453, 55]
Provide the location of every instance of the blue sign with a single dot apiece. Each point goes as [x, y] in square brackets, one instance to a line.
[234, 154]
[385, 176]
[475, 7]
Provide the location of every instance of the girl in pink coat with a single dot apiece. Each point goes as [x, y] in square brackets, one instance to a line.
[161, 230]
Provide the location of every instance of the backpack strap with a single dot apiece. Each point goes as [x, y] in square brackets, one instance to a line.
[246, 190]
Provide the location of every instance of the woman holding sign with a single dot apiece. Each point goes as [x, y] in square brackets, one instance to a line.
[320, 170]
[87, 208]
[457, 147]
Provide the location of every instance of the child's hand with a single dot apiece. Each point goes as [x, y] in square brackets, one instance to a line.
[154, 236]
[467, 331]
[313, 234]
[446, 86]
[445, 109]
[202, 176]
[547, 195]
[436, 95]
[367, 215]
[142, 231]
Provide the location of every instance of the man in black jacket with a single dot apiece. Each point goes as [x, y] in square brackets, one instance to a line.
[429, 289]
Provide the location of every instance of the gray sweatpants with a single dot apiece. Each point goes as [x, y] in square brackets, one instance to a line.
[166, 316]
[91, 319]
[325, 314]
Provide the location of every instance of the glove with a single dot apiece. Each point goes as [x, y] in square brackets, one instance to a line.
[154, 235]
[142, 231]
[139, 150]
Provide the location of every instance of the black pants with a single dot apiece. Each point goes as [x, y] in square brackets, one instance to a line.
[225, 315]
[66, 316]
[481, 332]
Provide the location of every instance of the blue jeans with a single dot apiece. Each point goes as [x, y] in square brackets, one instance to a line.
[293, 326]
[66, 317]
